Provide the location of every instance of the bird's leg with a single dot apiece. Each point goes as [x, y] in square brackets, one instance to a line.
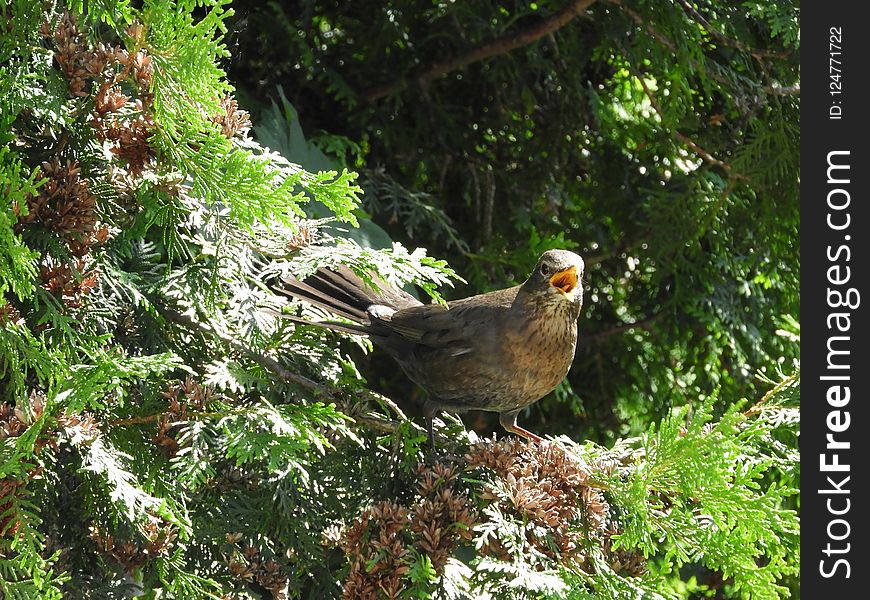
[429, 411]
[508, 420]
[431, 431]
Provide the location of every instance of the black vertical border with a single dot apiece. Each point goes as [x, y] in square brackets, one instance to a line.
[821, 135]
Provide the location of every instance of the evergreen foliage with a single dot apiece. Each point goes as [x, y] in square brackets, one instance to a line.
[163, 434]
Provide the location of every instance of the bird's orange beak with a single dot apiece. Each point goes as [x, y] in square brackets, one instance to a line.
[565, 280]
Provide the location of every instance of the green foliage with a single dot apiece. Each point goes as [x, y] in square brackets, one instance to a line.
[18, 266]
[699, 496]
[163, 434]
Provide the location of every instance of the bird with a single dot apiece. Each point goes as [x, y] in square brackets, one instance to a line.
[500, 351]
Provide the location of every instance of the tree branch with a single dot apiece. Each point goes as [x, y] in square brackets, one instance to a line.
[502, 45]
[267, 362]
[371, 420]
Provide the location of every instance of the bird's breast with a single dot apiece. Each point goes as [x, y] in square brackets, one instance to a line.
[541, 351]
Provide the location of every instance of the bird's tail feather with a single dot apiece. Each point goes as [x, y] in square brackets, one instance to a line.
[312, 295]
[350, 328]
[339, 291]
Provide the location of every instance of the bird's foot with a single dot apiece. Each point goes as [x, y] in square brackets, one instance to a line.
[509, 422]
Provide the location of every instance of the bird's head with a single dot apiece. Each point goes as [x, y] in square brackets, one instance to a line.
[557, 277]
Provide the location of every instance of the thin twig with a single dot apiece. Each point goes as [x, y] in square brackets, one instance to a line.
[759, 406]
[370, 420]
[141, 420]
[145, 419]
[642, 324]
[757, 53]
[383, 400]
[785, 90]
[664, 41]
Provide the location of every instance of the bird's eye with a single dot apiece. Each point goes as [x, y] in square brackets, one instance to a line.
[545, 269]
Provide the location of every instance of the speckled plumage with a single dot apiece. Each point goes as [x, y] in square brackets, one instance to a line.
[499, 351]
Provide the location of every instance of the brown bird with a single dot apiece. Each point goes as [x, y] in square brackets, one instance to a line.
[500, 351]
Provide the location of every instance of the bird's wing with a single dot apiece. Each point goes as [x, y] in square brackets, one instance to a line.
[455, 327]
[430, 325]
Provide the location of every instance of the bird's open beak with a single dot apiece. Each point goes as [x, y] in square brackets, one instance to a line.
[565, 281]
